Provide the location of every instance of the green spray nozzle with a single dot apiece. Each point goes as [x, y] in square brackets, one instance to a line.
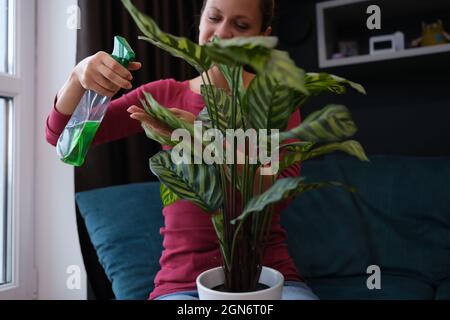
[122, 52]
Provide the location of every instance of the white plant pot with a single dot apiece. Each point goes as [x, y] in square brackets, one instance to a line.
[216, 277]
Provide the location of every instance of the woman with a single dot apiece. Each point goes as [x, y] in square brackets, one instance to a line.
[190, 244]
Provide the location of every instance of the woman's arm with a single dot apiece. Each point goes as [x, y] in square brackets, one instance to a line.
[115, 125]
[117, 122]
[99, 73]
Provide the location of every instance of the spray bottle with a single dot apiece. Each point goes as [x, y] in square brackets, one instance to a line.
[75, 140]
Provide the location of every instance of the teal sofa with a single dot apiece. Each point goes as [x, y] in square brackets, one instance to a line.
[398, 223]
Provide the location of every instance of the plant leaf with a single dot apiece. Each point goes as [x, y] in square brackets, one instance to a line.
[253, 51]
[224, 103]
[270, 104]
[155, 110]
[277, 192]
[299, 154]
[318, 82]
[302, 145]
[168, 197]
[283, 68]
[267, 42]
[351, 147]
[228, 73]
[284, 189]
[197, 183]
[179, 47]
[203, 116]
[151, 134]
[263, 60]
[217, 220]
[332, 123]
[295, 153]
[261, 57]
[358, 87]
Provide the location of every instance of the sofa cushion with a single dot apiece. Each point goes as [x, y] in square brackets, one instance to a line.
[355, 288]
[123, 223]
[399, 220]
[443, 290]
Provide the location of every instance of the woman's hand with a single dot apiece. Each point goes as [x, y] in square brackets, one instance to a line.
[104, 75]
[158, 126]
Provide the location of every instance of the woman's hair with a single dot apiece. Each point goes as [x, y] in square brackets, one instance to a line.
[267, 12]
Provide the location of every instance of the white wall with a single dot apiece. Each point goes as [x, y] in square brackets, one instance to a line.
[57, 245]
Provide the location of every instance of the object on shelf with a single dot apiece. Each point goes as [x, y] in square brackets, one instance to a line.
[387, 43]
[346, 49]
[432, 34]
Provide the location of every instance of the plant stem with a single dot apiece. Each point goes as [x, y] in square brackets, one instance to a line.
[223, 181]
[211, 93]
[237, 280]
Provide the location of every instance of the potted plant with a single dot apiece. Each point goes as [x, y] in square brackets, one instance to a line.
[241, 194]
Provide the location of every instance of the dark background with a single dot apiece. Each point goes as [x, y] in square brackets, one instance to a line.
[406, 111]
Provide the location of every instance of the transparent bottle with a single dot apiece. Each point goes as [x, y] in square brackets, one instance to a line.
[75, 140]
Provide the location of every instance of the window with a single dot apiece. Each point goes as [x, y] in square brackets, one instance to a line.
[6, 36]
[5, 191]
[17, 70]
[6, 67]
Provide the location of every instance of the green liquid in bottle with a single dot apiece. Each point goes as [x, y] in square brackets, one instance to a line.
[81, 136]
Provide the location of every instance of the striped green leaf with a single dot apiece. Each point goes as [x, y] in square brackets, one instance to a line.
[197, 183]
[302, 145]
[283, 189]
[350, 147]
[295, 153]
[280, 190]
[217, 102]
[203, 116]
[168, 197]
[270, 104]
[283, 68]
[232, 74]
[179, 47]
[254, 51]
[299, 154]
[263, 60]
[331, 124]
[234, 78]
[163, 114]
[244, 42]
[217, 220]
[152, 134]
[319, 82]
[256, 57]
[216, 97]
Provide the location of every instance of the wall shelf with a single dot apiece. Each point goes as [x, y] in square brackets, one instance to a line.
[386, 56]
[345, 20]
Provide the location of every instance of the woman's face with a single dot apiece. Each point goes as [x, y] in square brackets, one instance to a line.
[231, 18]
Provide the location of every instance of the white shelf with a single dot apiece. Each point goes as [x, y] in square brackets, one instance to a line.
[351, 14]
[386, 56]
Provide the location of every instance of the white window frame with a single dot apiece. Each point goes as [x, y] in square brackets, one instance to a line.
[20, 87]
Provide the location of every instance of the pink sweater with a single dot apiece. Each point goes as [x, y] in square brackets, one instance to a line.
[189, 240]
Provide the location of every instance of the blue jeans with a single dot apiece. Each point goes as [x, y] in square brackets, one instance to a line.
[292, 290]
